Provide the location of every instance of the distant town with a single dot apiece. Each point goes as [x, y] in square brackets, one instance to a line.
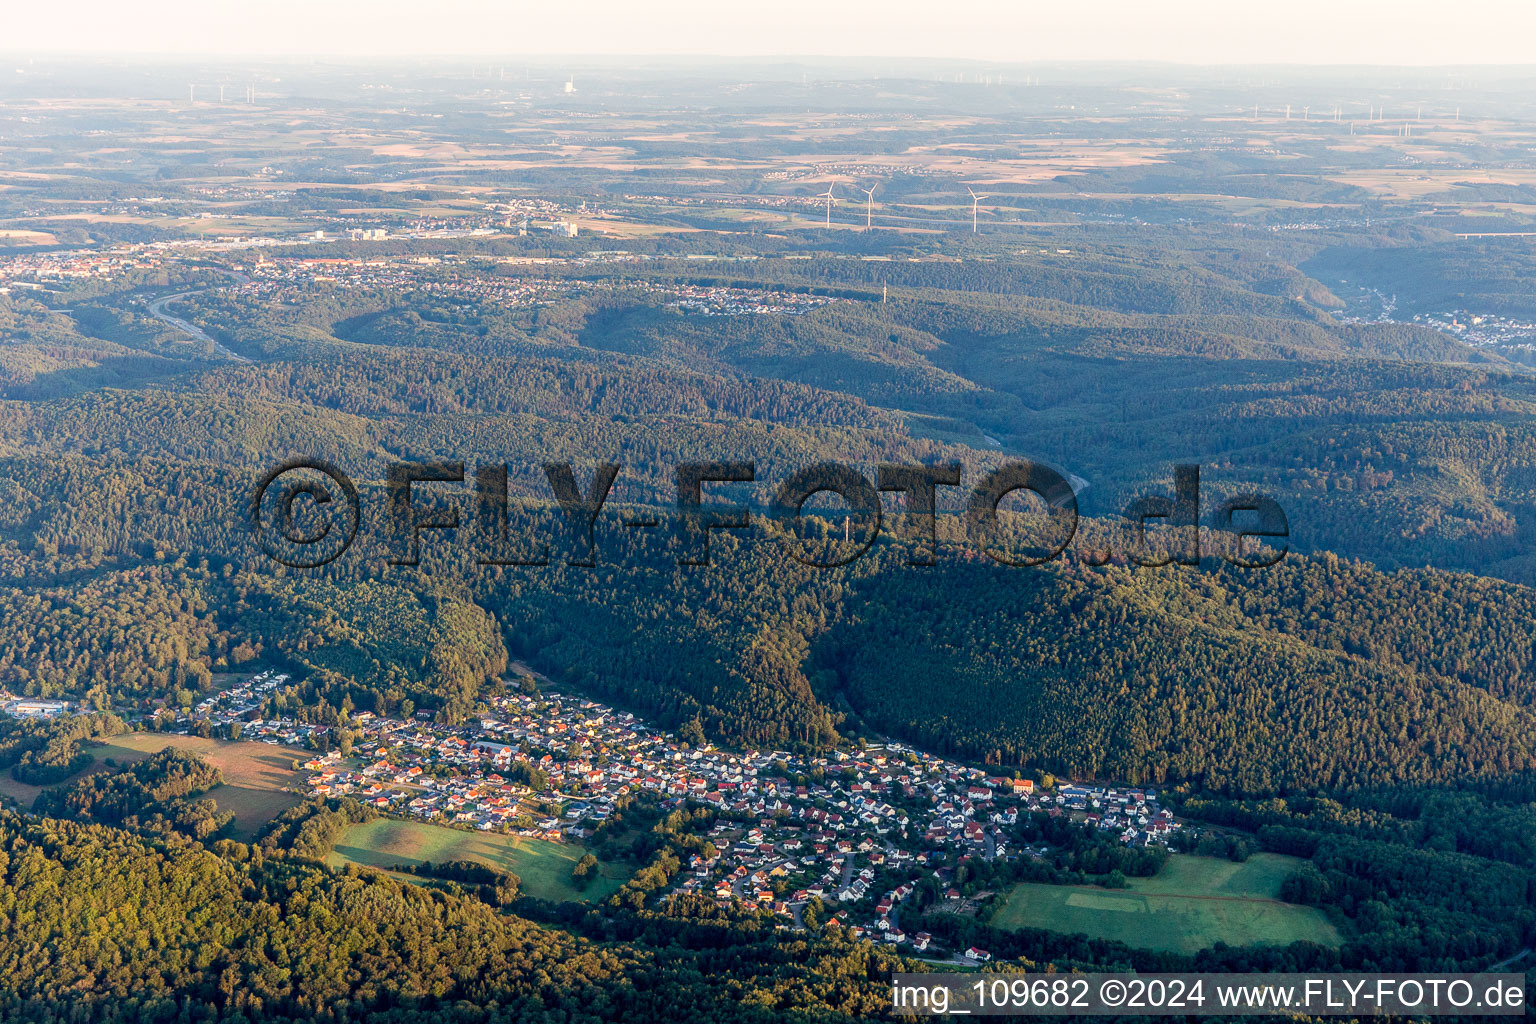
[447, 274]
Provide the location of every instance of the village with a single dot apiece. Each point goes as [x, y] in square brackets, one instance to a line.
[268, 276]
[851, 830]
[272, 277]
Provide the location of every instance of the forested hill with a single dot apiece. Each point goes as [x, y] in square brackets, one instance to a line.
[128, 574]
[1393, 441]
[106, 925]
[1317, 673]
[520, 279]
[1316, 676]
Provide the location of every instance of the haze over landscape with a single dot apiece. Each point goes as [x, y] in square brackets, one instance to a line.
[1243, 684]
[1209, 32]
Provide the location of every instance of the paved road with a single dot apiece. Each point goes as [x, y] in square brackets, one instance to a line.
[740, 885]
[157, 310]
[1503, 964]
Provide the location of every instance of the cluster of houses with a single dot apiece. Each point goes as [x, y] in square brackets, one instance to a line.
[726, 301]
[272, 276]
[852, 830]
[1483, 328]
[34, 270]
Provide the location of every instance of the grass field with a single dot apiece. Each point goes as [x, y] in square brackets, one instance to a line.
[255, 774]
[1191, 904]
[23, 794]
[545, 868]
[25, 236]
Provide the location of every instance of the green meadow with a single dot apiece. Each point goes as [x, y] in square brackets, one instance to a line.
[544, 867]
[1193, 903]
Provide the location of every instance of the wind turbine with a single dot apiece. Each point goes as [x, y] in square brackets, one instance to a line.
[830, 198]
[976, 199]
[869, 205]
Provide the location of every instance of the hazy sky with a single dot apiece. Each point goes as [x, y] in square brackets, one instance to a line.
[1191, 31]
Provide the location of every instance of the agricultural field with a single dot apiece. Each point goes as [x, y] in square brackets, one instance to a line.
[1191, 904]
[257, 776]
[21, 792]
[19, 236]
[544, 867]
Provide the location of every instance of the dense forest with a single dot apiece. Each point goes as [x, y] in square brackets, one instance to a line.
[1363, 705]
[109, 925]
[130, 576]
[156, 793]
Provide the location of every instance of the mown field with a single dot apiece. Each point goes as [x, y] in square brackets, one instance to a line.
[545, 868]
[1191, 904]
[259, 777]
[256, 775]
